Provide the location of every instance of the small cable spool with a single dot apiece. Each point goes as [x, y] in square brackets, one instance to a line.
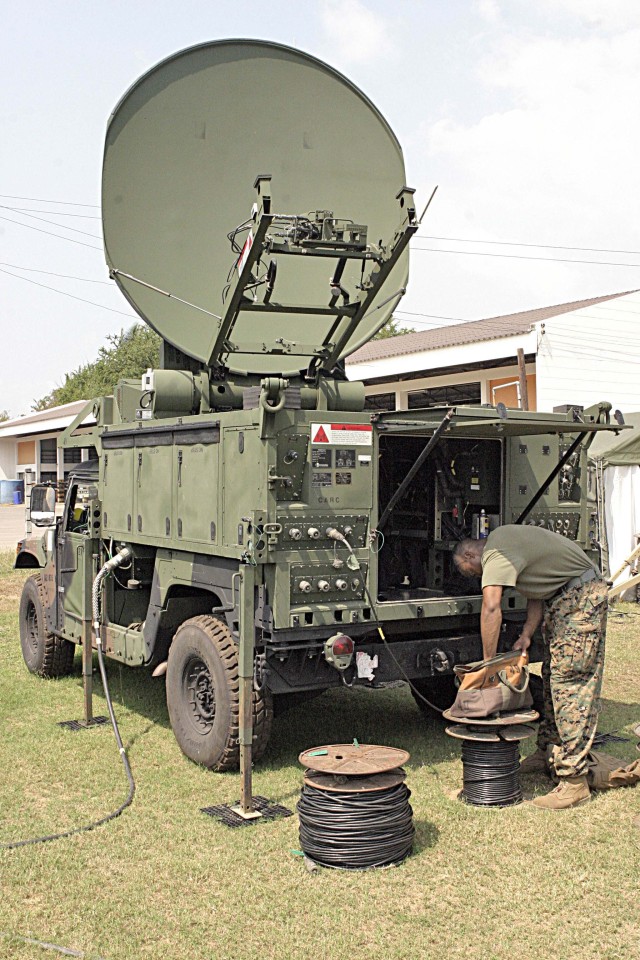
[354, 807]
[490, 773]
[491, 756]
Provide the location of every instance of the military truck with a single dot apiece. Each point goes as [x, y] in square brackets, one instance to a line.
[264, 535]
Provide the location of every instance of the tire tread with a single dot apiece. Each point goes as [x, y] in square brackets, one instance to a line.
[218, 632]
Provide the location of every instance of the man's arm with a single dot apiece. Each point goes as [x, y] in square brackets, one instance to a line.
[534, 616]
[490, 620]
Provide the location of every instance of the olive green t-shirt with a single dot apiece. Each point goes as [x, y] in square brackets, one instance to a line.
[535, 561]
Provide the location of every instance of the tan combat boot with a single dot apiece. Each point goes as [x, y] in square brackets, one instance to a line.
[570, 792]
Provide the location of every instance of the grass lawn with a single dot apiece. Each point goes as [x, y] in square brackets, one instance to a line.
[164, 881]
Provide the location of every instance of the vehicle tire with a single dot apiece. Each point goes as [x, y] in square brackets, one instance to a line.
[203, 696]
[44, 654]
[441, 691]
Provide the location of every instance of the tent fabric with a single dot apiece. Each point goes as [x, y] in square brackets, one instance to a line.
[621, 449]
[622, 514]
[618, 460]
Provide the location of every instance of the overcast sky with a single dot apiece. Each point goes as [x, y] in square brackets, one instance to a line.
[525, 114]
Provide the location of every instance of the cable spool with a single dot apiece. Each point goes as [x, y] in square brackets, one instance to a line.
[354, 807]
[491, 756]
[490, 773]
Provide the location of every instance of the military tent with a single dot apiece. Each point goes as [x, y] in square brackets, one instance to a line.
[616, 460]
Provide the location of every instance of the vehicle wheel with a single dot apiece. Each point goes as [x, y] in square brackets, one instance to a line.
[203, 696]
[441, 691]
[44, 654]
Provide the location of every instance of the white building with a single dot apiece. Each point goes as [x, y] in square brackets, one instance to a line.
[28, 445]
[579, 352]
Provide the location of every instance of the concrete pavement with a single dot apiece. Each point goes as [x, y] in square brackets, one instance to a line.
[11, 525]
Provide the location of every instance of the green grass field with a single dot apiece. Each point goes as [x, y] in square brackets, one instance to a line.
[164, 881]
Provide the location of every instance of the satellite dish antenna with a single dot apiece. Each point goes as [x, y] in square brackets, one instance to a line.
[184, 149]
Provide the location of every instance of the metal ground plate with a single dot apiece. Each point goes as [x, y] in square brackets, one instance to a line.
[349, 759]
[82, 725]
[344, 784]
[225, 813]
[503, 720]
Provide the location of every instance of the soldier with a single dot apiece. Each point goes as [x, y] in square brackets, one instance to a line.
[563, 587]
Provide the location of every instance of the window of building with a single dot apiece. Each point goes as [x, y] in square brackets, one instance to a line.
[451, 395]
[26, 451]
[48, 451]
[73, 455]
[380, 401]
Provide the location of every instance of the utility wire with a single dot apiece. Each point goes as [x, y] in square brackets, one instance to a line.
[436, 316]
[516, 256]
[423, 236]
[539, 246]
[53, 223]
[53, 213]
[63, 293]
[65, 203]
[49, 233]
[64, 276]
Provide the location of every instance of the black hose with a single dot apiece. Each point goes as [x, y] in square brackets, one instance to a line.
[123, 757]
[415, 690]
[490, 773]
[356, 831]
[336, 535]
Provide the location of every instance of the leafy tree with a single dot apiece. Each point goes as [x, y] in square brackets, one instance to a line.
[129, 354]
[391, 329]
[4, 415]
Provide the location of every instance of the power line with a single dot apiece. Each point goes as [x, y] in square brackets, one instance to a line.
[53, 213]
[54, 224]
[435, 316]
[50, 273]
[540, 246]
[66, 203]
[515, 256]
[504, 243]
[63, 293]
[28, 226]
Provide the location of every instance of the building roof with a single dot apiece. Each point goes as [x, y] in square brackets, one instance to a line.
[55, 418]
[473, 331]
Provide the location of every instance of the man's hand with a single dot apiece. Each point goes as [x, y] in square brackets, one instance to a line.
[522, 643]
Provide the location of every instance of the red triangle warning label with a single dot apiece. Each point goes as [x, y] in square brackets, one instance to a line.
[321, 436]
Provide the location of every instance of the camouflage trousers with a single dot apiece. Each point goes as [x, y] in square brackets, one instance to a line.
[574, 636]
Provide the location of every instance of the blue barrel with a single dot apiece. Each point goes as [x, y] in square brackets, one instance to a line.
[10, 489]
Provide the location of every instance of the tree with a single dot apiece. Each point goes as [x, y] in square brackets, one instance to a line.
[391, 329]
[4, 415]
[129, 354]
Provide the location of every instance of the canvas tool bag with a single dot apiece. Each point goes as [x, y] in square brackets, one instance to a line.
[493, 686]
[607, 773]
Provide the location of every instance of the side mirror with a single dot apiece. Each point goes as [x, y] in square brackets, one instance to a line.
[42, 506]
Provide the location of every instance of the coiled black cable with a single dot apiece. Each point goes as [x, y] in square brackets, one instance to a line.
[356, 831]
[123, 554]
[127, 768]
[490, 773]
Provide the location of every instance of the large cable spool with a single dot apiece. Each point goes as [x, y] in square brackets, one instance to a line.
[354, 808]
